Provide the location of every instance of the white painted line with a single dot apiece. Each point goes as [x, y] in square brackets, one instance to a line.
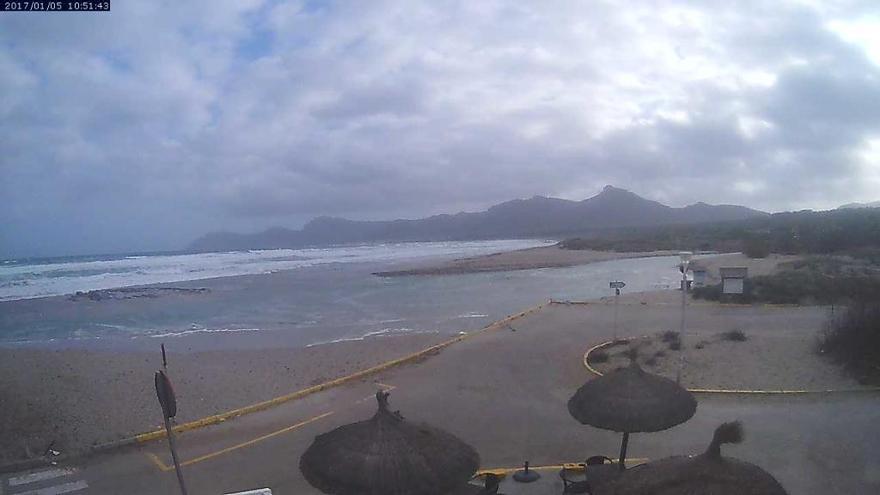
[39, 476]
[58, 489]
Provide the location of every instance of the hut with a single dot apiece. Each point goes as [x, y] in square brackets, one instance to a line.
[699, 273]
[733, 279]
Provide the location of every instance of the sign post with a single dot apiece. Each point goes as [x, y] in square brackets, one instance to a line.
[685, 257]
[165, 393]
[616, 285]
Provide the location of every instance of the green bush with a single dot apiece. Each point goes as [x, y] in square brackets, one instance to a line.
[797, 287]
[756, 247]
[734, 336]
[598, 357]
[853, 340]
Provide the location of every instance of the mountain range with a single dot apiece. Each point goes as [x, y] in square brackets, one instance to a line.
[520, 218]
[872, 204]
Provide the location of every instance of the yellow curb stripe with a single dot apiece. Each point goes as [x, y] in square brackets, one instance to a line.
[158, 462]
[162, 466]
[728, 391]
[574, 466]
[219, 418]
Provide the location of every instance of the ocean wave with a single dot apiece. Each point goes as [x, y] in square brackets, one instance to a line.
[55, 278]
[385, 332]
[200, 330]
[473, 315]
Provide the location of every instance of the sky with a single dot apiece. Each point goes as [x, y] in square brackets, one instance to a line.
[143, 128]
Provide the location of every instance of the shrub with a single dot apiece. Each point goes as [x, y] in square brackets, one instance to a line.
[734, 336]
[672, 339]
[756, 247]
[853, 340]
[598, 357]
[632, 353]
[708, 292]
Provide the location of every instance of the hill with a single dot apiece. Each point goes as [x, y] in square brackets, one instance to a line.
[539, 216]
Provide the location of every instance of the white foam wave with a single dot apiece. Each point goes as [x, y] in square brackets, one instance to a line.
[385, 332]
[25, 281]
[201, 330]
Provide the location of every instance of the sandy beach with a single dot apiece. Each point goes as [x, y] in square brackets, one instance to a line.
[766, 360]
[523, 259]
[73, 398]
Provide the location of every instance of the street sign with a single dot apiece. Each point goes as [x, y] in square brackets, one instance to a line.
[617, 285]
[165, 392]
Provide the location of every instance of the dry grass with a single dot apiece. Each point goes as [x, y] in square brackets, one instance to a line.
[734, 336]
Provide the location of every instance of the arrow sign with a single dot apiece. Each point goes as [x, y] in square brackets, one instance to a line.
[617, 285]
[165, 392]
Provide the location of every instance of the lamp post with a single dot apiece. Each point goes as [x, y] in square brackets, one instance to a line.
[685, 257]
[616, 285]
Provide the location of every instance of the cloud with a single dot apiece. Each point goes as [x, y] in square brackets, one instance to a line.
[245, 114]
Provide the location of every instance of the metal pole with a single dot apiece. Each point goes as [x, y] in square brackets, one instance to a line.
[173, 447]
[684, 265]
[623, 451]
[616, 297]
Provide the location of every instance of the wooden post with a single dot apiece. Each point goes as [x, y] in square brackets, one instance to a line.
[623, 450]
[173, 447]
[165, 393]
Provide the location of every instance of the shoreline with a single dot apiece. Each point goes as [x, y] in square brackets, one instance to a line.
[521, 259]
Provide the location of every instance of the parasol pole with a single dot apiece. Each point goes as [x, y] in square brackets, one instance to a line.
[623, 450]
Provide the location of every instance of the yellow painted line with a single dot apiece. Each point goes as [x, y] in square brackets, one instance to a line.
[162, 466]
[728, 391]
[158, 462]
[574, 466]
[219, 418]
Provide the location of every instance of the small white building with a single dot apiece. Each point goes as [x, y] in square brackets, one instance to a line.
[733, 279]
[699, 274]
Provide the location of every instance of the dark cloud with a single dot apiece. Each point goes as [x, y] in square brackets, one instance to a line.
[139, 130]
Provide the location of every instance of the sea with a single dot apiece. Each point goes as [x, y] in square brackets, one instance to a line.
[286, 297]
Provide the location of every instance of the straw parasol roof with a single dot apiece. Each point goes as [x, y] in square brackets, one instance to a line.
[632, 400]
[706, 474]
[387, 455]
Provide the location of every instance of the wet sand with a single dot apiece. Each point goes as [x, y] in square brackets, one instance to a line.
[71, 398]
[523, 259]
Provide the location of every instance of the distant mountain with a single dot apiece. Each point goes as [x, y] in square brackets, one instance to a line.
[536, 217]
[873, 204]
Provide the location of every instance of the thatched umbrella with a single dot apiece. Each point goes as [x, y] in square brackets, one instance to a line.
[631, 400]
[707, 474]
[387, 455]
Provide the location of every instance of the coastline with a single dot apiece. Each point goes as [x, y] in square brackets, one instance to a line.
[70, 396]
[521, 259]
